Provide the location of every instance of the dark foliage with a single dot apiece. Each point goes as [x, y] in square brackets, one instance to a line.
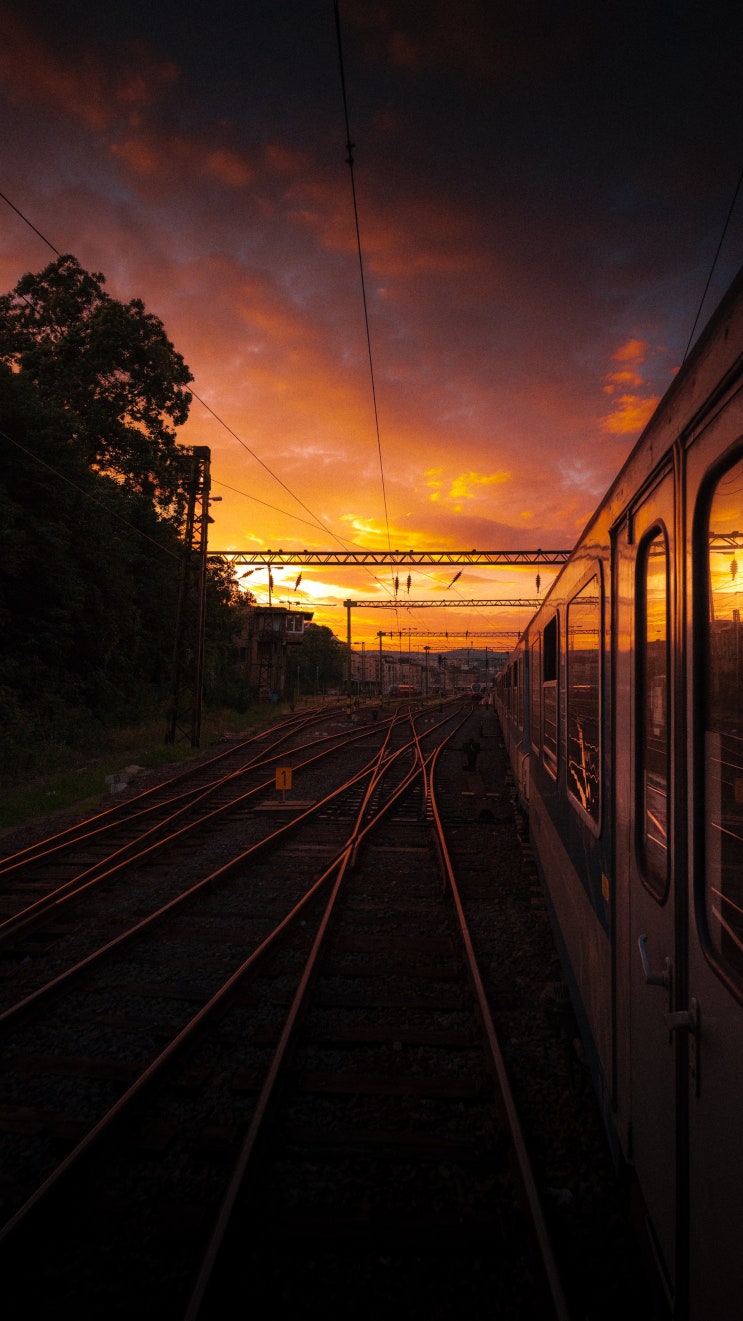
[109, 367]
[322, 660]
[92, 492]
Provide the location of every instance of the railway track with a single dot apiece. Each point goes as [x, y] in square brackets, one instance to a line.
[287, 1069]
[34, 878]
[41, 885]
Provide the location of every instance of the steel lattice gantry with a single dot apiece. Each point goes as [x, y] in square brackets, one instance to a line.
[396, 604]
[270, 559]
[399, 603]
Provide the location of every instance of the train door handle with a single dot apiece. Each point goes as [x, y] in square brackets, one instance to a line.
[653, 978]
[688, 1020]
[684, 1020]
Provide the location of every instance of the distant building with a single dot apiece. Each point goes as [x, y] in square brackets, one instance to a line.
[266, 647]
[396, 668]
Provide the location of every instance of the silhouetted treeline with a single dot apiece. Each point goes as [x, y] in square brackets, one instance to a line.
[92, 503]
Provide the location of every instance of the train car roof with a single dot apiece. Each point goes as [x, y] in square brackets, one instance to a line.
[701, 374]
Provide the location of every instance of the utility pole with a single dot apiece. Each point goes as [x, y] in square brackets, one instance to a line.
[349, 685]
[184, 714]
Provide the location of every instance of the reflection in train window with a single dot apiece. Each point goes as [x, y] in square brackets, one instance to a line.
[549, 694]
[583, 669]
[724, 722]
[534, 694]
[652, 712]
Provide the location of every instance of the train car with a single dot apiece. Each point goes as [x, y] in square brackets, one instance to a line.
[622, 709]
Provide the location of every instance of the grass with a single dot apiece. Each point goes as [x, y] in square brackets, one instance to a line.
[76, 777]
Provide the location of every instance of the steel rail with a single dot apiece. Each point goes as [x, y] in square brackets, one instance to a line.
[267, 1093]
[122, 811]
[32, 1000]
[122, 1106]
[520, 1146]
[102, 869]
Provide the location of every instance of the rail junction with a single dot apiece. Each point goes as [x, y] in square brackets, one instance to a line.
[248, 1044]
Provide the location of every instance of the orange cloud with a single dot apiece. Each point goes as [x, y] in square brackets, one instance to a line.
[282, 159]
[631, 413]
[631, 409]
[150, 156]
[465, 486]
[635, 350]
[84, 90]
[142, 157]
[228, 168]
[616, 379]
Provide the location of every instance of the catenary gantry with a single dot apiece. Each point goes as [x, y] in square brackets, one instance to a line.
[272, 559]
[404, 603]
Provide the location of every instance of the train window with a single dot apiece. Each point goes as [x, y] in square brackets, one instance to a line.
[549, 694]
[723, 724]
[535, 667]
[583, 696]
[517, 694]
[652, 596]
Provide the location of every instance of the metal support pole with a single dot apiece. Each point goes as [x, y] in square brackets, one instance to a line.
[188, 650]
[348, 605]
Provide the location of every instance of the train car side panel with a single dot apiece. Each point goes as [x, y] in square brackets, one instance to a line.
[634, 790]
[645, 862]
[569, 803]
[714, 1000]
[582, 943]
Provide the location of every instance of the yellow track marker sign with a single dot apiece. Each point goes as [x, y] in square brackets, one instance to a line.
[283, 778]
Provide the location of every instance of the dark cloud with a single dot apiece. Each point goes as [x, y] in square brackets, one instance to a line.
[541, 188]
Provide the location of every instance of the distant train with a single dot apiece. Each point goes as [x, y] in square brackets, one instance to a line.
[622, 710]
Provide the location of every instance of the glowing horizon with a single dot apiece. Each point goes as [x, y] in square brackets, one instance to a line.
[531, 277]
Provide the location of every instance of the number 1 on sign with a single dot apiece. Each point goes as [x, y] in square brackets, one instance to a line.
[283, 778]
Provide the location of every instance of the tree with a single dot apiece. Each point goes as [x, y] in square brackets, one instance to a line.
[322, 658]
[108, 369]
[88, 580]
[92, 492]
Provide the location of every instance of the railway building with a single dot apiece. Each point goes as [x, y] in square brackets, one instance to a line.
[267, 648]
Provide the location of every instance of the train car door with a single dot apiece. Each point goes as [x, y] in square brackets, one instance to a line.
[714, 1074]
[655, 936]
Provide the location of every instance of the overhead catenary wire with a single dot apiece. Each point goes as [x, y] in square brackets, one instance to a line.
[317, 522]
[350, 146]
[89, 496]
[323, 527]
[284, 512]
[714, 263]
[26, 221]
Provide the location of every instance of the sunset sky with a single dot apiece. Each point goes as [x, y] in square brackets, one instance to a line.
[541, 187]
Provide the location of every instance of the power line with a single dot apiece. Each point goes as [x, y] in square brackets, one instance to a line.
[350, 162]
[87, 495]
[26, 221]
[317, 522]
[284, 512]
[714, 263]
